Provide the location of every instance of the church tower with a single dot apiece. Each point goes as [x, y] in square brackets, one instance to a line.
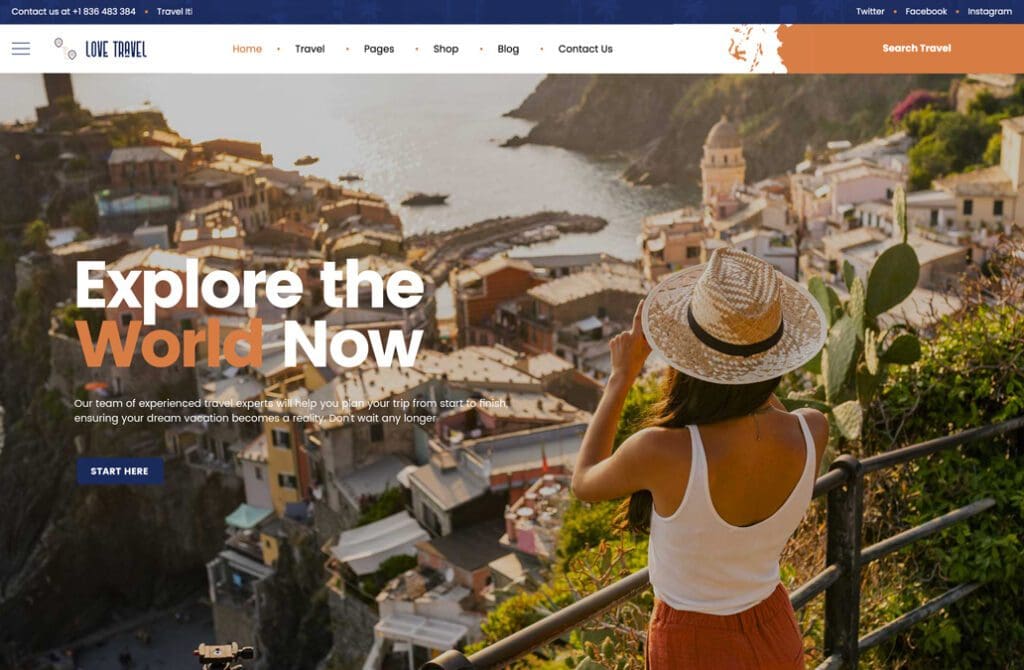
[722, 169]
[58, 88]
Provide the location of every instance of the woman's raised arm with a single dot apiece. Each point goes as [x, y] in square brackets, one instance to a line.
[599, 475]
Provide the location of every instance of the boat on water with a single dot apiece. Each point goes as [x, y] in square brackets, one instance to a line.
[306, 160]
[420, 199]
[350, 176]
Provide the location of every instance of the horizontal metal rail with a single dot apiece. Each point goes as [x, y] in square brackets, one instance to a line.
[551, 627]
[939, 523]
[916, 616]
[830, 481]
[833, 662]
[846, 476]
[815, 586]
[887, 459]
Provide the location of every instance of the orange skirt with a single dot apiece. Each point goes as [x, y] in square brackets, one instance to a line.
[764, 637]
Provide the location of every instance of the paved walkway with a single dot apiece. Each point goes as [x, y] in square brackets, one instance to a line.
[170, 646]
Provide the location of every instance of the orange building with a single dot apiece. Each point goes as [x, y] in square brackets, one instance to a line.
[480, 289]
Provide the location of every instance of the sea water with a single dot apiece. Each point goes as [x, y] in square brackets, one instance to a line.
[429, 133]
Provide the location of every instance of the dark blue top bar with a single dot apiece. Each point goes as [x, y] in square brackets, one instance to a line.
[504, 11]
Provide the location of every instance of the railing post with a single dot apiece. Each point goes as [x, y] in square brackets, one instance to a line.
[842, 599]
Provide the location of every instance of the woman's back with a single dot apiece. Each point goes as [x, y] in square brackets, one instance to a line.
[746, 490]
[725, 497]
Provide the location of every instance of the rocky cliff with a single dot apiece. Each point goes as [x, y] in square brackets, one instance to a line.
[659, 122]
[74, 557]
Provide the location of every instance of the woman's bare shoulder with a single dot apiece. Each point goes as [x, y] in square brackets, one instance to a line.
[817, 423]
[660, 444]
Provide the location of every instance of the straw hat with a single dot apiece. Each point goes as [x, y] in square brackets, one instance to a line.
[733, 320]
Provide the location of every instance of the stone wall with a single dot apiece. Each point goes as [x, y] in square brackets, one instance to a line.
[233, 624]
[68, 372]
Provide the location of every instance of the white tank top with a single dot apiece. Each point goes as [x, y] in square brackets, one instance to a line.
[701, 563]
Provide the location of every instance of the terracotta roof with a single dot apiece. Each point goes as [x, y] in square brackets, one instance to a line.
[1016, 123]
[489, 267]
[582, 284]
[356, 390]
[146, 155]
[854, 238]
[686, 215]
[991, 181]
[219, 251]
[153, 258]
[473, 365]
[542, 365]
[83, 246]
[448, 488]
[533, 407]
[255, 451]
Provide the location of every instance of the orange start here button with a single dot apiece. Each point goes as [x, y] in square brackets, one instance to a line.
[247, 49]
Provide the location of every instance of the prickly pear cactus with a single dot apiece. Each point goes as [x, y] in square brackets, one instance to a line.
[857, 351]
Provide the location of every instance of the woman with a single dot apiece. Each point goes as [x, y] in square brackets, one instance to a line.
[723, 474]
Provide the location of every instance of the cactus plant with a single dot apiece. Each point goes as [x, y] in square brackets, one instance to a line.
[858, 350]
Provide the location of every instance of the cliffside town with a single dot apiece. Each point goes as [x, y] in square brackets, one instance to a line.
[370, 517]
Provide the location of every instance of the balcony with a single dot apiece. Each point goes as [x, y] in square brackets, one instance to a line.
[246, 543]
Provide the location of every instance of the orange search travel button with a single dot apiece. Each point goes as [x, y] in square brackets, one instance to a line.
[918, 48]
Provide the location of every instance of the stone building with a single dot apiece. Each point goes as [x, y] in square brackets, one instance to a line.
[671, 241]
[146, 168]
[989, 202]
[215, 224]
[362, 422]
[238, 182]
[606, 293]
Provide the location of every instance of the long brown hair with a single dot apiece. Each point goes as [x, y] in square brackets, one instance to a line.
[687, 400]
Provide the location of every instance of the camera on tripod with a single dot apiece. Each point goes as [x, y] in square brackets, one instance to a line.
[221, 656]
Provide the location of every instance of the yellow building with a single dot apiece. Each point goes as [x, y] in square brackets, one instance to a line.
[287, 461]
[990, 201]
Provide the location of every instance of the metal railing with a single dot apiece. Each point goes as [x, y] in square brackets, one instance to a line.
[840, 580]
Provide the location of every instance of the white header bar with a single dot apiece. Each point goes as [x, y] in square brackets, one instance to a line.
[391, 49]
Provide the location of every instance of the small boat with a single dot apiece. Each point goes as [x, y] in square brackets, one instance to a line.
[306, 160]
[350, 176]
[420, 199]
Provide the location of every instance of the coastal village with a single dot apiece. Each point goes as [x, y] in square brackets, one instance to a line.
[446, 495]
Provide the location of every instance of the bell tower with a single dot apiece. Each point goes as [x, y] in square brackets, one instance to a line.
[722, 168]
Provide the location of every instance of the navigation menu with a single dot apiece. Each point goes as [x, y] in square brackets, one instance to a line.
[872, 47]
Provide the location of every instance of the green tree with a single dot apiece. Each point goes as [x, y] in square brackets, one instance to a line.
[68, 313]
[970, 374]
[391, 501]
[35, 235]
[948, 142]
[993, 150]
[84, 215]
[984, 103]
